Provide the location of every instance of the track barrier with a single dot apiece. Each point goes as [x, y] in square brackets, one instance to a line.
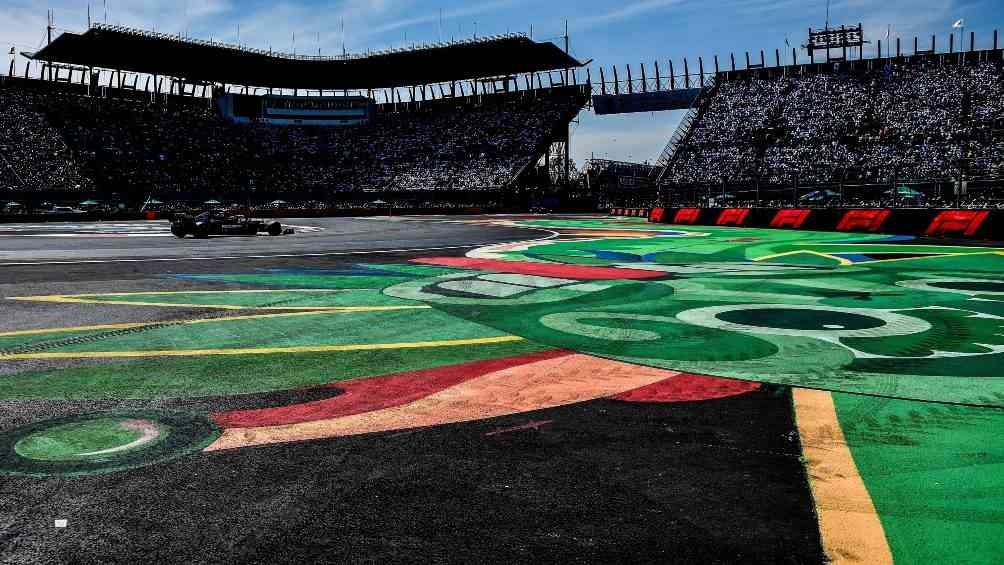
[630, 212]
[794, 219]
[971, 224]
[957, 223]
[687, 216]
[733, 217]
[864, 220]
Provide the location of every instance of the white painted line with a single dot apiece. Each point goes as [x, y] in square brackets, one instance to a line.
[62, 523]
[274, 256]
[236, 257]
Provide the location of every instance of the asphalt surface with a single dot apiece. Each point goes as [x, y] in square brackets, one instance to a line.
[74, 253]
[74, 242]
[597, 482]
[601, 481]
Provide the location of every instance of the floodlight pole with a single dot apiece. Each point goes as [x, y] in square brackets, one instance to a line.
[566, 49]
[568, 127]
[48, 30]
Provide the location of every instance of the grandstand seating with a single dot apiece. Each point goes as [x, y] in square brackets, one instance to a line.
[891, 121]
[32, 152]
[67, 141]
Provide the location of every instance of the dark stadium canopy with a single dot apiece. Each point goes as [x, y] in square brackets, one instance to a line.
[114, 47]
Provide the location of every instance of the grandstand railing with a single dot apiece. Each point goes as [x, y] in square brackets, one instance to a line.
[464, 97]
[684, 129]
[629, 80]
[113, 82]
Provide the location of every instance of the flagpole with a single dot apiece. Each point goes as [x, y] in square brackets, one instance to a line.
[961, 25]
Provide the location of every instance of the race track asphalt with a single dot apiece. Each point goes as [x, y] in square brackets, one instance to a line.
[372, 390]
[591, 482]
[109, 241]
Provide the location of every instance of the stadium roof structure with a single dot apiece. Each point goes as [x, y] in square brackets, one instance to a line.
[128, 49]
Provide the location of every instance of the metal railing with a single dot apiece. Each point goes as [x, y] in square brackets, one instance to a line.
[683, 130]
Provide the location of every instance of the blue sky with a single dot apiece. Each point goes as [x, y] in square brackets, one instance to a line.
[611, 33]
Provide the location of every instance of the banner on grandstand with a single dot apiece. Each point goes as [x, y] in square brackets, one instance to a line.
[629, 103]
[293, 110]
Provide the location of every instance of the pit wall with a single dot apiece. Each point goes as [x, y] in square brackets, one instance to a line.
[969, 224]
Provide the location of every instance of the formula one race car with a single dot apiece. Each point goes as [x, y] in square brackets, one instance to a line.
[217, 222]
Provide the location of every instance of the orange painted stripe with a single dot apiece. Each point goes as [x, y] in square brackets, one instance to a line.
[849, 525]
[544, 384]
[376, 393]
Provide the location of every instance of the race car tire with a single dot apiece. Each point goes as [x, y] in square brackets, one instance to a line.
[200, 231]
[275, 228]
[178, 231]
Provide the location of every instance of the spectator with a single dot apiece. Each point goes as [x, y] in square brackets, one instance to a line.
[898, 123]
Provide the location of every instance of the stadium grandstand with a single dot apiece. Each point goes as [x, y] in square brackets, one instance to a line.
[473, 123]
[858, 130]
[439, 125]
[920, 129]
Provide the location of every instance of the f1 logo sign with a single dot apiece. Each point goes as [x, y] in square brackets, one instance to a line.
[733, 217]
[790, 219]
[687, 216]
[863, 220]
[957, 222]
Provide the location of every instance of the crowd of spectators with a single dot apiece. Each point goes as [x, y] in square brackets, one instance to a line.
[32, 152]
[325, 207]
[64, 140]
[914, 121]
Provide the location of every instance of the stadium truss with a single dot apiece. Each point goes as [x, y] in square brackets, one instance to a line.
[133, 50]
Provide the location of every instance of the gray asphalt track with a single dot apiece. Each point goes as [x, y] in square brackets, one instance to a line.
[32, 243]
[69, 260]
[80, 258]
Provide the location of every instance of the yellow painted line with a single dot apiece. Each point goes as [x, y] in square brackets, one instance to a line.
[849, 525]
[77, 300]
[74, 329]
[841, 260]
[256, 350]
[938, 256]
[242, 291]
[93, 298]
[126, 326]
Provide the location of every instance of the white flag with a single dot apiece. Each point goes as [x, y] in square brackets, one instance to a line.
[959, 23]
